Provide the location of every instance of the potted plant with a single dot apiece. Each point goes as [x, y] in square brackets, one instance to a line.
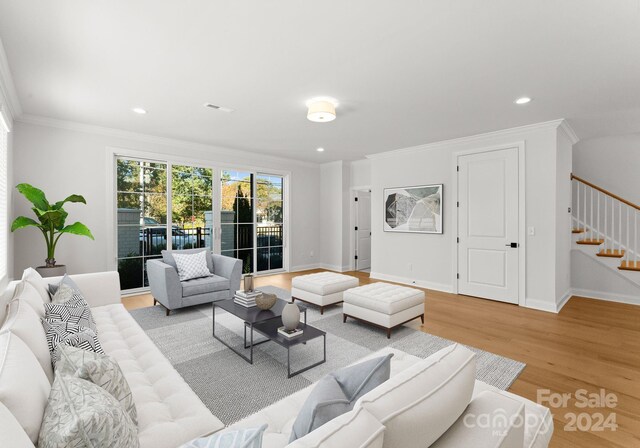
[51, 222]
[248, 278]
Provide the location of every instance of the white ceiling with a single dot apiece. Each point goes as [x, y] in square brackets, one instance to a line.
[405, 72]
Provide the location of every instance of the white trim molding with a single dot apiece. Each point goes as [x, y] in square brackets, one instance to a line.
[606, 296]
[7, 87]
[152, 139]
[554, 124]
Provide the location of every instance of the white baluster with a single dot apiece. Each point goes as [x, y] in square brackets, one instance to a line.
[584, 219]
[635, 240]
[578, 205]
[626, 247]
[619, 225]
[591, 216]
[606, 225]
[598, 214]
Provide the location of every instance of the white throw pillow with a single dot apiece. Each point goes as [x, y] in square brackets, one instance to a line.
[27, 292]
[31, 276]
[24, 388]
[356, 429]
[23, 321]
[420, 403]
[11, 433]
[192, 265]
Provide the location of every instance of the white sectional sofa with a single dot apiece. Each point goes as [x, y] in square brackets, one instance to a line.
[170, 413]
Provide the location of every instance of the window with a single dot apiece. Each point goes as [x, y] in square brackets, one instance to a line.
[4, 204]
[236, 217]
[269, 219]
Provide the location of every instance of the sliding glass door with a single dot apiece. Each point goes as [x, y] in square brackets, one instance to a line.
[162, 205]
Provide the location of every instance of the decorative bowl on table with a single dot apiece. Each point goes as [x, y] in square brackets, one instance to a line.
[265, 301]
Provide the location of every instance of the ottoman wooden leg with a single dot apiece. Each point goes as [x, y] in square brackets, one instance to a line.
[155, 302]
[168, 311]
[321, 310]
[344, 318]
[388, 333]
[422, 318]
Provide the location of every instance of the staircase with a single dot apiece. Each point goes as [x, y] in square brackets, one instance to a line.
[605, 226]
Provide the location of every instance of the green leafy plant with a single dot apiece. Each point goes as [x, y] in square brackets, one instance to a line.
[51, 219]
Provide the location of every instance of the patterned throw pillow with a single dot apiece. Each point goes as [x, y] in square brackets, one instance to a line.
[192, 265]
[66, 280]
[82, 414]
[101, 370]
[239, 438]
[74, 310]
[68, 333]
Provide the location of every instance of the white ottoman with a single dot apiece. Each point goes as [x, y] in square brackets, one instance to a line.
[322, 289]
[384, 305]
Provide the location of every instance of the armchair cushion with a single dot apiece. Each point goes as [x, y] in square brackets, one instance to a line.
[204, 285]
[167, 257]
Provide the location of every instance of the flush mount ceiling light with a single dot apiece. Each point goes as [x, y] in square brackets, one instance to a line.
[320, 149]
[523, 100]
[321, 109]
[139, 110]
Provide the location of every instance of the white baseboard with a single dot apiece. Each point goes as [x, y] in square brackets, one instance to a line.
[334, 267]
[606, 296]
[541, 305]
[407, 281]
[564, 299]
[305, 267]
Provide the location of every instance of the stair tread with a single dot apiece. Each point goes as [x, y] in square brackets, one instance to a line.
[594, 242]
[578, 230]
[613, 253]
[627, 265]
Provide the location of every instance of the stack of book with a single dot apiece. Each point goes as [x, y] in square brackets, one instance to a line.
[289, 334]
[245, 298]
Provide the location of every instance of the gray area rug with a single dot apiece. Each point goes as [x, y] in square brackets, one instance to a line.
[233, 389]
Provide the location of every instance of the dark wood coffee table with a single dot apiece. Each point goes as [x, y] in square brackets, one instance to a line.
[267, 323]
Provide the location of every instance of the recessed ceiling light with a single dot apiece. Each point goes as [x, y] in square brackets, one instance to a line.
[523, 100]
[139, 110]
[320, 149]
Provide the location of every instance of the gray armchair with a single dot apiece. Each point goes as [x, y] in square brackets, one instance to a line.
[168, 290]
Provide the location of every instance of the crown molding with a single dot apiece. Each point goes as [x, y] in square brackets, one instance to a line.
[569, 132]
[553, 124]
[7, 87]
[152, 139]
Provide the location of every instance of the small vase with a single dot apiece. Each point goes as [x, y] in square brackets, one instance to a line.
[266, 301]
[248, 283]
[290, 316]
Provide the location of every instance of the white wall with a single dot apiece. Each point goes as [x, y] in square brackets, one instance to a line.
[611, 163]
[563, 223]
[361, 173]
[431, 256]
[63, 159]
[334, 215]
[8, 256]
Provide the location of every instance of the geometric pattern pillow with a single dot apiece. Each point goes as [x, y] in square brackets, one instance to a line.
[101, 370]
[82, 414]
[64, 293]
[68, 333]
[192, 265]
[75, 310]
[239, 438]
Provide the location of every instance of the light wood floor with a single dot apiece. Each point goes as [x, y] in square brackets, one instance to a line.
[590, 344]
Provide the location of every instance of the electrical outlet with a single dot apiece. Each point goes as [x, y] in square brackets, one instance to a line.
[311, 254]
[532, 231]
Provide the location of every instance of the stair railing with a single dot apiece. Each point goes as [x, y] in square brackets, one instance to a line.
[606, 220]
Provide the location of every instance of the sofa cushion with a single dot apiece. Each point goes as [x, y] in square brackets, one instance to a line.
[204, 285]
[167, 257]
[32, 277]
[66, 280]
[492, 420]
[169, 412]
[101, 370]
[82, 414]
[337, 392]
[230, 438]
[24, 387]
[420, 403]
[11, 433]
[23, 321]
[27, 292]
[357, 429]
[67, 333]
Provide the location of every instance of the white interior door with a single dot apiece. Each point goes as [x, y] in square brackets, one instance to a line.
[363, 232]
[488, 225]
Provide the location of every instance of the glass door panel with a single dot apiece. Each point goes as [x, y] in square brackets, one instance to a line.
[269, 222]
[192, 207]
[236, 216]
[141, 218]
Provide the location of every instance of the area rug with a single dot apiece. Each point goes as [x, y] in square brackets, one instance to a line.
[233, 389]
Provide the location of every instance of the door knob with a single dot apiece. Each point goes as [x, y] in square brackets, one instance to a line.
[514, 245]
